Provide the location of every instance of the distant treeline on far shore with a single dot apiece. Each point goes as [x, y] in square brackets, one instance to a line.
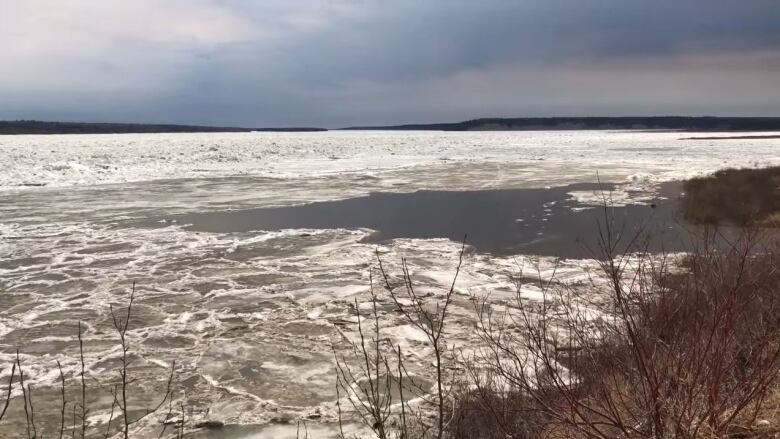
[671, 123]
[675, 123]
[39, 127]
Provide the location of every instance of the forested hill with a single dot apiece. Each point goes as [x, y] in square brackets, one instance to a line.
[704, 123]
[38, 127]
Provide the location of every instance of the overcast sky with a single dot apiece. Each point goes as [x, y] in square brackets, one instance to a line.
[345, 62]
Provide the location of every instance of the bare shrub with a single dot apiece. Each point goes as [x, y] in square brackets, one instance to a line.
[367, 383]
[380, 367]
[484, 410]
[685, 353]
[733, 196]
[375, 382]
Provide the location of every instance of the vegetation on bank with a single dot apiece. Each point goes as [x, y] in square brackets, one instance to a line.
[736, 197]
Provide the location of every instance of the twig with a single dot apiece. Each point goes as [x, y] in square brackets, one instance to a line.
[8, 391]
[64, 402]
[83, 387]
[24, 396]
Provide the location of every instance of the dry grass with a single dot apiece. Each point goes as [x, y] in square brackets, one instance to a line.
[738, 197]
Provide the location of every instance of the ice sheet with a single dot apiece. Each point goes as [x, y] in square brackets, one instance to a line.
[75, 160]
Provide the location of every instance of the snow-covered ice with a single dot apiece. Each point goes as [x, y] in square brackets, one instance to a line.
[532, 158]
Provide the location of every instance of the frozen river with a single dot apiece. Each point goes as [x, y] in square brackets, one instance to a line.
[250, 312]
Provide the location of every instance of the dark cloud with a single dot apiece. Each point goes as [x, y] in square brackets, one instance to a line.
[343, 62]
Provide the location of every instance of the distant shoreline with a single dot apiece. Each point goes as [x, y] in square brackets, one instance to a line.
[650, 123]
[22, 127]
[771, 136]
[639, 123]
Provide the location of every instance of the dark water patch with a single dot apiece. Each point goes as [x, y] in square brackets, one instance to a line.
[517, 221]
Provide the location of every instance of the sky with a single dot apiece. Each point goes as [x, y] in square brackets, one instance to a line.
[334, 63]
